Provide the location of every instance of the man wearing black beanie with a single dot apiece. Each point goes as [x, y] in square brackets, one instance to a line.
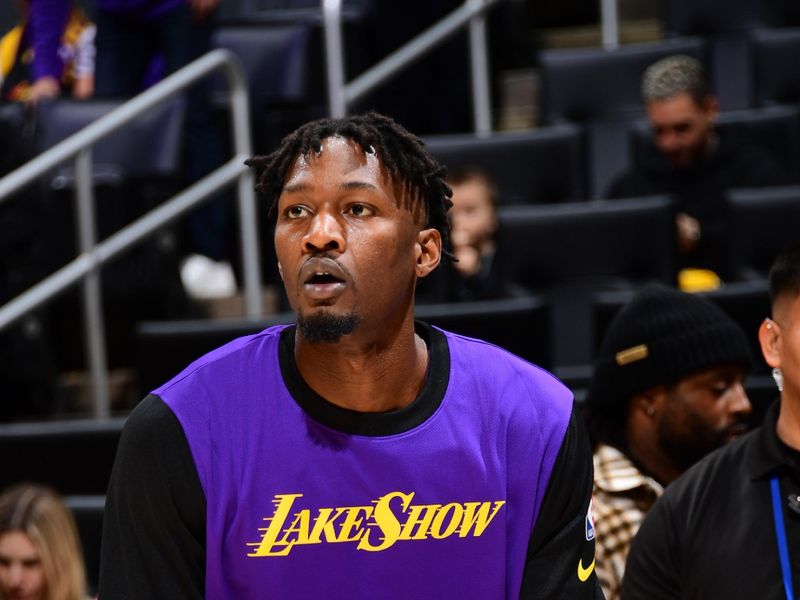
[667, 389]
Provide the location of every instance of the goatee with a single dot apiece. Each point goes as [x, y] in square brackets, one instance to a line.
[325, 327]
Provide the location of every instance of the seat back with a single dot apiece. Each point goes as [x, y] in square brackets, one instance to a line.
[592, 84]
[619, 242]
[760, 223]
[727, 17]
[544, 165]
[776, 70]
[150, 145]
[74, 457]
[88, 513]
[520, 325]
[275, 58]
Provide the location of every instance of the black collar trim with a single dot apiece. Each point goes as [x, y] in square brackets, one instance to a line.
[371, 424]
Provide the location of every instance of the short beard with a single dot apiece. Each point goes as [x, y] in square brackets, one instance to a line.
[325, 327]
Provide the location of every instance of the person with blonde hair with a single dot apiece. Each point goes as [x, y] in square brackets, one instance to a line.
[40, 555]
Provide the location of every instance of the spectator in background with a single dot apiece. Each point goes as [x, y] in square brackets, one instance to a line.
[135, 35]
[730, 527]
[51, 51]
[667, 389]
[40, 555]
[694, 162]
[473, 223]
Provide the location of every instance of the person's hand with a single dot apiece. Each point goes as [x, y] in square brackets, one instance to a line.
[83, 88]
[42, 89]
[688, 232]
[202, 8]
[469, 257]
[469, 260]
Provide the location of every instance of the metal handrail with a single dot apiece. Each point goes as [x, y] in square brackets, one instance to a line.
[472, 12]
[87, 264]
[609, 24]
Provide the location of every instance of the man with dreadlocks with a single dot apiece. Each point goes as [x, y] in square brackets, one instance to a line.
[358, 453]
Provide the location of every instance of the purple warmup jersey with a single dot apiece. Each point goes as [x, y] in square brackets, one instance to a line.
[298, 509]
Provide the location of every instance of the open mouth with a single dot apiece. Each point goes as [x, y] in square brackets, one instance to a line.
[322, 278]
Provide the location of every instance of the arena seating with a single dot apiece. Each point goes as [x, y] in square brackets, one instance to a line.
[776, 70]
[518, 324]
[760, 222]
[576, 262]
[275, 60]
[729, 26]
[569, 250]
[149, 146]
[602, 241]
[614, 78]
[88, 513]
[540, 166]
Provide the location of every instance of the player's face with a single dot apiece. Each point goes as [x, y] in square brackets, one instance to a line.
[702, 412]
[21, 572]
[681, 127]
[348, 240]
[472, 217]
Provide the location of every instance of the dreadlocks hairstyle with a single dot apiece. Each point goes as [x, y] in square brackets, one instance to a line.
[401, 153]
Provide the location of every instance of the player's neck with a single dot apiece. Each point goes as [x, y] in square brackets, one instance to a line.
[366, 374]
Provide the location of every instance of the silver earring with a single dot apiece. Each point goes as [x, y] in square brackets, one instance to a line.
[778, 377]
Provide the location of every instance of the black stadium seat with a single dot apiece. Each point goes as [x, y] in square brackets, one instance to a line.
[760, 223]
[544, 165]
[88, 513]
[605, 241]
[282, 64]
[714, 17]
[74, 457]
[148, 146]
[776, 70]
[567, 251]
[275, 59]
[519, 325]
[591, 84]
[728, 26]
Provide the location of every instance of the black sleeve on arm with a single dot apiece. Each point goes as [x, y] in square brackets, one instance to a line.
[154, 524]
[559, 553]
[652, 570]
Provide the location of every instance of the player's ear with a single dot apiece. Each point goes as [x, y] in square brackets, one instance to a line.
[428, 251]
[769, 336]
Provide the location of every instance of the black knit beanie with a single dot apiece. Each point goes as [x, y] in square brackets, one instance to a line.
[659, 337]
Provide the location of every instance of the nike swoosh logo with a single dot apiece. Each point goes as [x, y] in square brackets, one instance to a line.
[583, 574]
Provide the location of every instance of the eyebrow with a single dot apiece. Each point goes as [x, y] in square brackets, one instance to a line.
[350, 185]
